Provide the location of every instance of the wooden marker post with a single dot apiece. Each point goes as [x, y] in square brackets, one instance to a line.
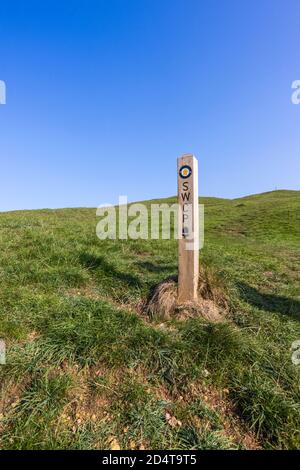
[188, 225]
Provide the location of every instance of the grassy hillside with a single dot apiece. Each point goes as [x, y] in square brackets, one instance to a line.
[86, 369]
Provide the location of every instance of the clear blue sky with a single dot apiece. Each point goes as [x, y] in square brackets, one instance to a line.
[102, 96]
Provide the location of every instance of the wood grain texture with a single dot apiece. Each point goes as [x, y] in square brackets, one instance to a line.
[188, 220]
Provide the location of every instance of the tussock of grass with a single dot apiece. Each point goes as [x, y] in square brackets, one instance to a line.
[211, 304]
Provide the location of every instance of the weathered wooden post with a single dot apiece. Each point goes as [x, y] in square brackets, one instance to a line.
[188, 224]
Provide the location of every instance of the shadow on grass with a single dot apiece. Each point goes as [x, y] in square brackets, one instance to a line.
[155, 268]
[273, 303]
[94, 262]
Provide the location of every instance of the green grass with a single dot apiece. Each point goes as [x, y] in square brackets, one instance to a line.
[85, 369]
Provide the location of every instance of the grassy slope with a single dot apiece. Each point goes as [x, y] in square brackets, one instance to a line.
[86, 370]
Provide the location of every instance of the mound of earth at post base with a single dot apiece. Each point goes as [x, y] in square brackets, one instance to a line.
[211, 304]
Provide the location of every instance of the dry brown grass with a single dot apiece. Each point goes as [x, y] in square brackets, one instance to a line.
[211, 303]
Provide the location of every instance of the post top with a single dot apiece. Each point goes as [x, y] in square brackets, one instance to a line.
[187, 156]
